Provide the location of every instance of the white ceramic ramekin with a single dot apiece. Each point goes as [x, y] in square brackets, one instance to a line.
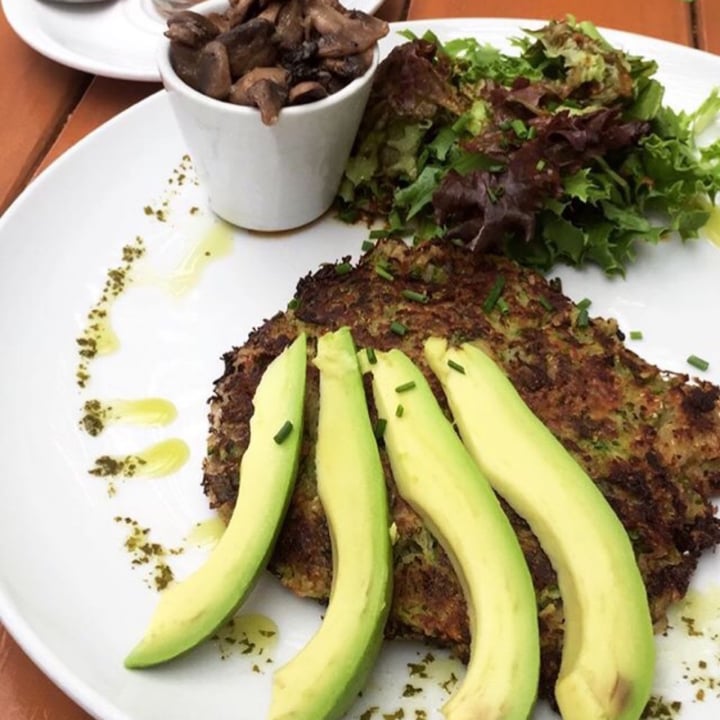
[260, 177]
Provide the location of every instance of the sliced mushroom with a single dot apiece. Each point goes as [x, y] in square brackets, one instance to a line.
[190, 28]
[306, 92]
[250, 45]
[290, 25]
[350, 66]
[334, 4]
[220, 20]
[265, 88]
[270, 52]
[238, 11]
[271, 12]
[344, 34]
[214, 71]
[185, 62]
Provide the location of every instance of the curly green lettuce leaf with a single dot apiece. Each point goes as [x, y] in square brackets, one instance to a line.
[564, 152]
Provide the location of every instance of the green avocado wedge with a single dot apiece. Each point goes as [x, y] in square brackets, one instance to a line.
[325, 677]
[191, 610]
[609, 652]
[436, 475]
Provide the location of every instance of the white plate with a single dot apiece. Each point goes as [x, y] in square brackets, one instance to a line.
[113, 38]
[68, 591]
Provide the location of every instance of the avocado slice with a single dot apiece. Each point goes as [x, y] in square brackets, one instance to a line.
[435, 474]
[324, 678]
[608, 653]
[190, 611]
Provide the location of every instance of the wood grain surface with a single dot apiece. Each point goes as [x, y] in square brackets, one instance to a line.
[667, 19]
[36, 96]
[707, 17]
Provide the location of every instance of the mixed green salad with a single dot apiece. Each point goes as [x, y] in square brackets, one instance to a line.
[563, 152]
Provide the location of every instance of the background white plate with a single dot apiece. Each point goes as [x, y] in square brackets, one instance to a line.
[68, 591]
[114, 38]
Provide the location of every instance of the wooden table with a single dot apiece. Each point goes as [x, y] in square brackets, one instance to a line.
[48, 107]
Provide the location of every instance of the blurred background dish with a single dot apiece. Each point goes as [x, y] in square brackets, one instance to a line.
[115, 39]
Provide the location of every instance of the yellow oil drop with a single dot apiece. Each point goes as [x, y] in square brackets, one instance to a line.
[98, 336]
[151, 412]
[436, 668]
[216, 243]
[159, 460]
[207, 532]
[699, 612]
[250, 634]
[148, 412]
[163, 458]
[712, 227]
[106, 338]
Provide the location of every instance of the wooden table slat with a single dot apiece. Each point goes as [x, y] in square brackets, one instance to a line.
[707, 13]
[25, 693]
[666, 19]
[36, 97]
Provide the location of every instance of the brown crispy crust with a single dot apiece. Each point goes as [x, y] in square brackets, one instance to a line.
[650, 440]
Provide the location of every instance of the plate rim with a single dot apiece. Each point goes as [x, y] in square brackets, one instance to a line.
[79, 689]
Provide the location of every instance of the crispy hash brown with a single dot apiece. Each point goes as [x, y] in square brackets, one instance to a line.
[649, 439]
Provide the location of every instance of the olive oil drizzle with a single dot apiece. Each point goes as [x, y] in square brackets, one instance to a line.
[147, 553]
[207, 532]
[149, 412]
[98, 337]
[158, 460]
[691, 643]
[250, 634]
[216, 243]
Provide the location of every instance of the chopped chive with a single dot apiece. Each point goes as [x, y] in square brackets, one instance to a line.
[540, 165]
[636, 335]
[409, 385]
[383, 273]
[698, 362]
[283, 432]
[415, 296]
[372, 359]
[494, 294]
[343, 268]
[292, 304]
[398, 328]
[584, 304]
[519, 127]
[492, 195]
[375, 234]
[503, 307]
[380, 426]
[546, 303]
[399, 410]
[456, 366]
[531, 132]
[583, 318]
[367, 245]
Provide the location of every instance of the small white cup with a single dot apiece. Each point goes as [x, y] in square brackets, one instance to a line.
[260, 177]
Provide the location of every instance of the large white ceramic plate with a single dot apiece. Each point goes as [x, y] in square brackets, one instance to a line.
[112, 38]
[68, 590]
